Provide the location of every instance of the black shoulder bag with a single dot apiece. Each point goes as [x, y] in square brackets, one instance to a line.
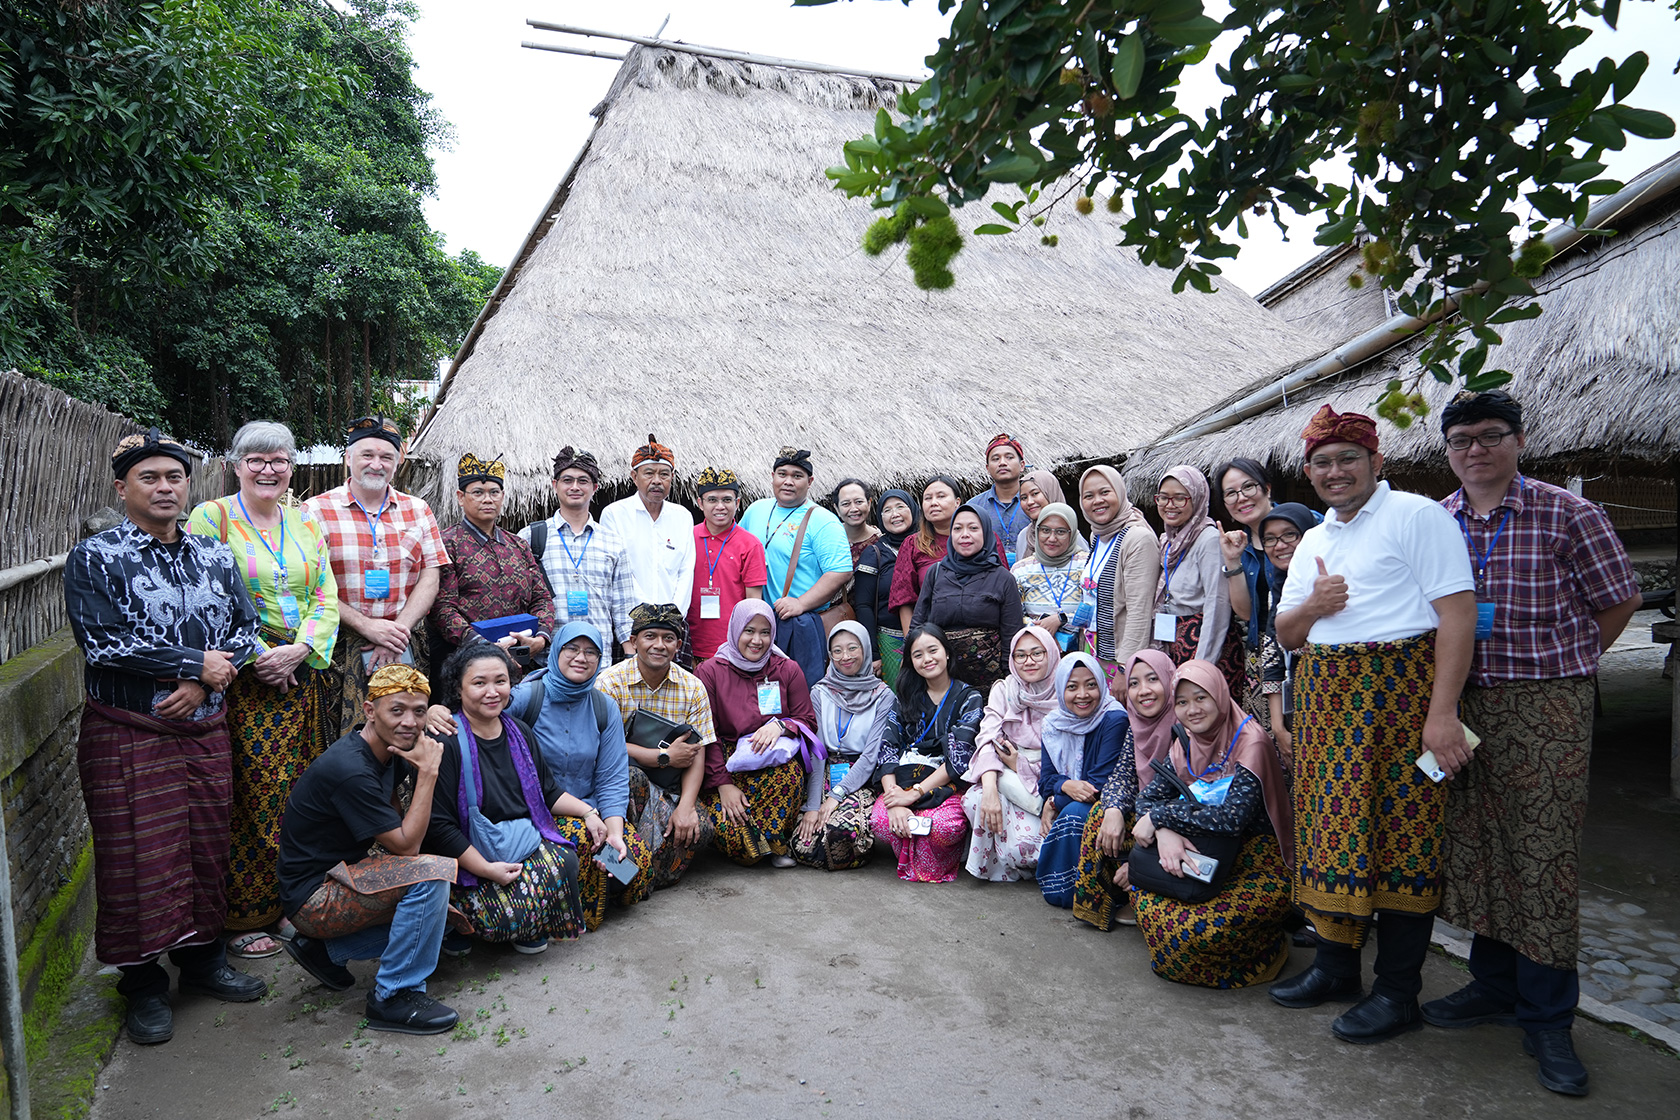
[1145, 863]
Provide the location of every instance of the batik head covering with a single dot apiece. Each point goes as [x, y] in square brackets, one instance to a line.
[373, 427]
[571, 457]
[861, 691]
[143, 445]
[1063, 733]
[657, 616]
[715, 478]
[473, 469]
[653, 452]
[1151, 735]
[964, 568]
[897, 539]
[793, 457]
[557, 686]
[1065, 512]
[389, 679]
[745, 611]
[1004, 439]
[1177, 542]
[1125, 514]
[1473, 408]
[1330, 426]
[1236, 739]
[1022, 697]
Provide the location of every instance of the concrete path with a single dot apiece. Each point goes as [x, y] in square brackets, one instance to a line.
[760, 993]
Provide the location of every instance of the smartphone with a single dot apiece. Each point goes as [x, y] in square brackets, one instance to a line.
[623, 869]
[919, 826]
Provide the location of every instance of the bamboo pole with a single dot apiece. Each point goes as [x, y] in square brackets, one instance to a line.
[530, 46]
[719, 52]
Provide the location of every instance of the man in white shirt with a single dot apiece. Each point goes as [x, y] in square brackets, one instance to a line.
[658, 534]
[1382, 598]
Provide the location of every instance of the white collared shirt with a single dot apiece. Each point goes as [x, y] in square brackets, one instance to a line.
[1399, 553]
[661, 553]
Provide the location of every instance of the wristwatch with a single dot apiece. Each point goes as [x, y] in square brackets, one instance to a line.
[664, 757]
[1229, 572]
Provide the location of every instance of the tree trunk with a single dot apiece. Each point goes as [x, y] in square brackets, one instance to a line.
[367, 366]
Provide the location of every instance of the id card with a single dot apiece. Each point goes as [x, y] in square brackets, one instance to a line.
[770, 698]
[577, 602]
[711, 602]
[289, 608]
[1010, 557]
[1064, 640]
[1484, 620]
[837, 772]
[1214, 792]
[1084, 614]
[1166, 627]
[376, 583]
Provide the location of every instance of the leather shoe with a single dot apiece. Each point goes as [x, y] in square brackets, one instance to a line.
[1315, 986]
[1376, 1018]
[1560, 1070]
[1470, 1006]
[150, 1021]
[225, 984]
[311, 956]
[409, 1011]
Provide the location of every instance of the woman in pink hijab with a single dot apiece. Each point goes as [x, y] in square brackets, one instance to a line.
[1003, 805]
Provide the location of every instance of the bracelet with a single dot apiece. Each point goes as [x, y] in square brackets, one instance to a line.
[1229, 572]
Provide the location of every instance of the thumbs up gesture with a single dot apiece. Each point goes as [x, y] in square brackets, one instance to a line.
[1329, 594]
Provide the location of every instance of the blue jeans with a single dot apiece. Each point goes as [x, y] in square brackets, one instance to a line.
[407, 949]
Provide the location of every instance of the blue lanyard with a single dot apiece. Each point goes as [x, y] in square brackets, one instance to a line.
[1067, 584]
[1166, 562]
[711, 565]
[577, 561]
[1091, 573]
[934, 722]
[1006, 525]
[845, 725]
[1482, 558]
[279, 556]
[1220, 765]
[373, 519]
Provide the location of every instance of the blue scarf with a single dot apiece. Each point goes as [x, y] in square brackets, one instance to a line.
[559, 688]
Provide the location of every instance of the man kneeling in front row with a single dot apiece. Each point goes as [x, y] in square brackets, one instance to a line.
[348, 905]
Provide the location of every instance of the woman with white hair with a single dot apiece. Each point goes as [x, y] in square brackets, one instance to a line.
[274, 707]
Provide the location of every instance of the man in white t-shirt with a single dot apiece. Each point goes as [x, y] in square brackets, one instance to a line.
[1382, 598]
[657, 534]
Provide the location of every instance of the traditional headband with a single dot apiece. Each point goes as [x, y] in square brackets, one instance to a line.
[652, 451]
[790, 457]
[570, 458]
[657, 616]
[392, 679]
[373, 427]
[1330, 426]
[715, 478]
[473, 469]
[1004, 439]
[143, 445]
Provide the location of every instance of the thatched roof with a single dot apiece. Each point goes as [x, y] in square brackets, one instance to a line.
[1598, 373]
[696, 276]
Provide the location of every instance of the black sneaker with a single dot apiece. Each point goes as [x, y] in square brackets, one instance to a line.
[150, 1021]
[409, 1011]
[311, 956]
[1560, 1070]
[1470, 1006]
[226, 984]
[456, 944]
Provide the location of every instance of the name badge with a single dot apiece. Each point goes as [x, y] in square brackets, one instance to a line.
[1064, 639]
[376, 583]
[1214, 792]
[1166, 627]
[837, 772]
[1086, 612]
[770, 698]
[289, 608]
[1010, 556]
[1484, 620]
[711, 603]
[577, 602]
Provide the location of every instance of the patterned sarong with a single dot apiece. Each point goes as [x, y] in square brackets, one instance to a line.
[934, 858]
[651, 809]
[596, 885]
[275, 737]
[541, 905]
[1230, 941]
[1059, 854]
[1232, 656]
[346, 681]
[1368, 823]
[976, 656]
[157, 794]
[1095, 897]
[773, 795]
[889, 645]
[846, 840]
[355, 896]
[1514, 817]
[1009, 854]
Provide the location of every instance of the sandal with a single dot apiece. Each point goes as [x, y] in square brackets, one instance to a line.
[285, 931]
[241, 945]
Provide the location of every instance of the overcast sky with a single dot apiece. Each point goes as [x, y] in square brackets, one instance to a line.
[519, 116]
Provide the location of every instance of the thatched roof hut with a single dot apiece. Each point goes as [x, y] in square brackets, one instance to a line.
[1598, 372]
[695, 275]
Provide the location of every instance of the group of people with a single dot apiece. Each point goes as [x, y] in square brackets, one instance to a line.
[340, 730]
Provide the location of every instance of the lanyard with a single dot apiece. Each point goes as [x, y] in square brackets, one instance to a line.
[934, 722]
[1093, 573]
[711, 565]
[1005, 524]
[1067, 584]
[1166, 562]
[845, 724]
[1220, 765]
[373, 519]
[771, 535]
[280, 554]
[1482, 557]
[577, 561]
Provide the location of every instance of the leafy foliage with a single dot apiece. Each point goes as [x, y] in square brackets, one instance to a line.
[1462, 139]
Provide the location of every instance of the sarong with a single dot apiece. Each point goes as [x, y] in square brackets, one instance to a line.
[346, 681]
[356, 896]
[275, 737]
[773, 795]
[652, 808]
[1234, 939]
[934, 858]
[1005, 856]
[596, 885]
[541, 905]
[1111, 669]
[846, 840]
[1368, 823]
[1232, 654]
[1257, 690]
[1058, 856]
[157, 794]
[976, 656]
[1096, 900]
[1514, 817]
[889, 647]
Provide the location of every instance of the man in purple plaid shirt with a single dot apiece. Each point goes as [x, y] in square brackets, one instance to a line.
[1554, 588]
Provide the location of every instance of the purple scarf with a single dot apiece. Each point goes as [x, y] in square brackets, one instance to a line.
[541, 816]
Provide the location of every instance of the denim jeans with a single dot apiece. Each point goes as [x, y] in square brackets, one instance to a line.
[407, 949]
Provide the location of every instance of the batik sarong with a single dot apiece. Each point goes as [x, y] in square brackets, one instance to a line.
[1368, 822]
[347, 680]
[275, 736]
[1514, 817]
[773, 795]
[1111, 669]
[652, 810]
[157, 794]
[356, 896]
[1005, 856]
[541, 905]
[1096, 900]
[1232, 655]
[846, 840]
[1058, 856]
[596, 885]
[976, 657]
[934, 858]
[1230, 941]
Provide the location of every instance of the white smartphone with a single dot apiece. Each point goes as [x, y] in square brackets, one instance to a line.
[919, 826]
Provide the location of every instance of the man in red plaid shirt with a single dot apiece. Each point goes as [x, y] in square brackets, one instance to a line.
[1554, 588]
[387, 554]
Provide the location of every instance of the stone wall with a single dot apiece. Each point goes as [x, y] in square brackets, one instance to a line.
[1656, 575]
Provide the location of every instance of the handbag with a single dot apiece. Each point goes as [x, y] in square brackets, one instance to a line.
[1145, 863]
[909, 773]
[498, 841]
[655, 733]
[836, 612]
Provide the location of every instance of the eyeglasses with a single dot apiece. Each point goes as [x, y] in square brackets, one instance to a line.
[1486, 439]
[1172, 501]
[257, 465]
[1056, 534]
[1345, 460]
[1027, 656]
[1288, 537]
[1246, 490]
[586, 652]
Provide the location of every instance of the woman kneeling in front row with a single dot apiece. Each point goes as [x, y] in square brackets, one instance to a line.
[1237, 937]
[853, 707]
[1085, 741]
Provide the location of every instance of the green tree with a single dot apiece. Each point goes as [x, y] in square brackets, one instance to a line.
[1462, 138]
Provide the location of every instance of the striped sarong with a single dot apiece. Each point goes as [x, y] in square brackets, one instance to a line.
[1368, 824]
[157, 794]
